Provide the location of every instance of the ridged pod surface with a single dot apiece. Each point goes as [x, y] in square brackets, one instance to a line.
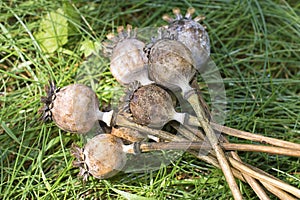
[73, 108]
[171, 64]
[151, 105]
[102, 156]
[191, 33]
[127, 58]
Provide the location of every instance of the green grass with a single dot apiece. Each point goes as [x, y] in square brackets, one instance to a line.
[255, 45]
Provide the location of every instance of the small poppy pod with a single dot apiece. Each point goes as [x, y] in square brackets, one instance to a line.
[127, 58]
[102, 157]
[191, 33]
[151, 105]
[74, 108]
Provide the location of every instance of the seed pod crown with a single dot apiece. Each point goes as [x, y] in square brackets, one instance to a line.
[190, 32]
[51, 90]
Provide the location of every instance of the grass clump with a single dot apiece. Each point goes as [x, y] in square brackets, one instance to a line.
[255, 45]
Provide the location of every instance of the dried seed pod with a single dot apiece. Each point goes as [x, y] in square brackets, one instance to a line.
[171, 64]
[152, 106]
[191, 33]
[73, 108]
[128, 61]
[103, 156]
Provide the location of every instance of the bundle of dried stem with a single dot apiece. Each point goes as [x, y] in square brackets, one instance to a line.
[193, 139]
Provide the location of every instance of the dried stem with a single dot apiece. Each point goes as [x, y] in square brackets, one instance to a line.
[255, 137]
[184, 145]
[193, 100]
[278, 192]
[209, 159]
[268, 179]
[246, 178]
[123, 121]
[251, 181]
[240, 147]
[186, 132]
[240, 174]
[193, 121]
[261, 148]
